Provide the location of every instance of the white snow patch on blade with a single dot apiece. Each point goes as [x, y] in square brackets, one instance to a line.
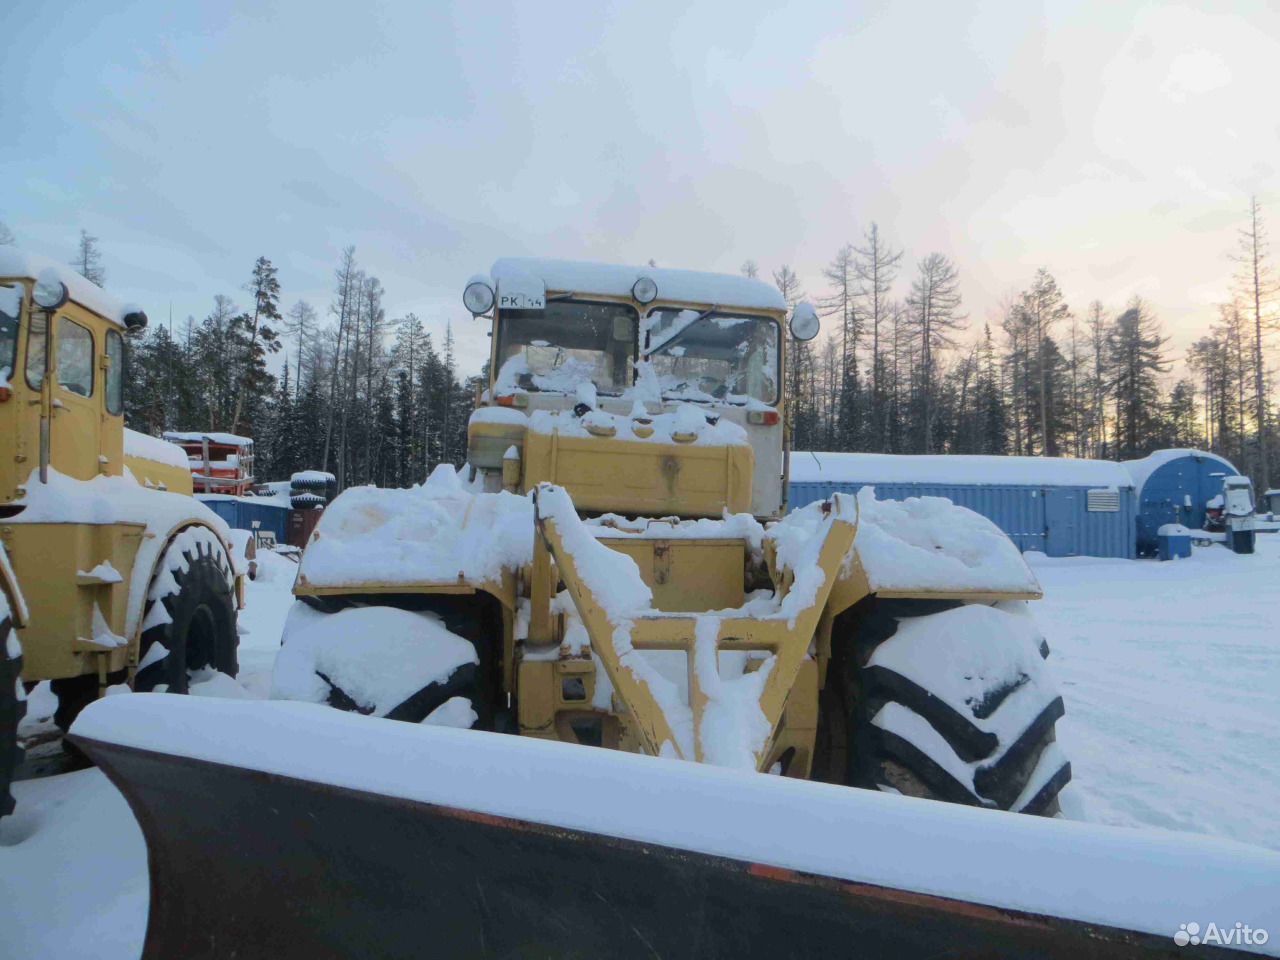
[213, 683]
[454, 712]
[929, 543]
[378, 656]
[438, 531]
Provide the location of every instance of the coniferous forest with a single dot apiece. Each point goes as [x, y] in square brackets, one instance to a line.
[900, 368]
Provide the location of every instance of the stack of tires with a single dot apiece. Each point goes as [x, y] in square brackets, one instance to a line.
[309, 489]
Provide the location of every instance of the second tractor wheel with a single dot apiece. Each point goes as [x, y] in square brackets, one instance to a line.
[189, 624]
[952, 702]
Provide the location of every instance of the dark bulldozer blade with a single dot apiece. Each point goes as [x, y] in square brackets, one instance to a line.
[251, 859]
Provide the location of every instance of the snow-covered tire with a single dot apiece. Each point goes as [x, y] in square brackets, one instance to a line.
[13, 705]
[953, 702]
[189, 623]
[382, 661]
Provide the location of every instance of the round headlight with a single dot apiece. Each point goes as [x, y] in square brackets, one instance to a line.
[645, 290]
[49, 292]
[478, 297]
[804, 322]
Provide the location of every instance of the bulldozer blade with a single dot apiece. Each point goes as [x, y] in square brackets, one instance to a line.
[290, 830]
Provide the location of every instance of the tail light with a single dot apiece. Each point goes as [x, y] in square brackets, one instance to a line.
[764, 418]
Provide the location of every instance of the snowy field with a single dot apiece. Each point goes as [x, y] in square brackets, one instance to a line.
[1170, 674]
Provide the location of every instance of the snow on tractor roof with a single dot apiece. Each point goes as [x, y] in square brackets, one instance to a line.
[818, 467]
[197, 436]
[683, 286]
[16, 263]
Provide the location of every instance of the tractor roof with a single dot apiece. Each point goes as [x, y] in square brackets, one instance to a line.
[16, 263]
[684, 286]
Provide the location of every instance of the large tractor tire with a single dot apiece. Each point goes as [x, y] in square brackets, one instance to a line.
[189, 623]
[13, 705]
[951, 702]
[384, 661]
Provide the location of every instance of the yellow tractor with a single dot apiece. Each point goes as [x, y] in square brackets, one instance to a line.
[111, 572]
[616, 568]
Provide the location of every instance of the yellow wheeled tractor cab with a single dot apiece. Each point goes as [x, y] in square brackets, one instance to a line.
[658, 660]
[126, 578]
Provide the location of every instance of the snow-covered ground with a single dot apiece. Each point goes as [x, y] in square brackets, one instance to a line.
[1170, 673]
[1171, 677]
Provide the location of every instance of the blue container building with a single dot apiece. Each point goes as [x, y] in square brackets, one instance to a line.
[1061, 507]
[1173, 486]
[241, 512]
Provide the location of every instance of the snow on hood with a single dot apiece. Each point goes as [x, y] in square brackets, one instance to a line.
[151, 448]
[436, 532]
[16, 263]
[683, 286]
[685, 420]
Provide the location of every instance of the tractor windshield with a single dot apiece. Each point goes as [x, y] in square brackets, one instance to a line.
[712, 356]
[10, 312]
[568, 343]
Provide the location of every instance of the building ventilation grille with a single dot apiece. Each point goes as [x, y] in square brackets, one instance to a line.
[1104, 501]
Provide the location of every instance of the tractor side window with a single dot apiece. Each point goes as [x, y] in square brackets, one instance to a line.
[75, 357]
[10, 311]
[37, 339]
[115, 373]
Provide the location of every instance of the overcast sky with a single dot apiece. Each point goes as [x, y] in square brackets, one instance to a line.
[1115, 143]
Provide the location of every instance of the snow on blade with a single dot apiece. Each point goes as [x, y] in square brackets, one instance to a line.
[1144, 880]
[454, 712]
[929, 543]
[438, 531]
[377, 656]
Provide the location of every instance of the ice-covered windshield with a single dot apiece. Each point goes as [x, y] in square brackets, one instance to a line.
[565, 345]
[712, 356]
[10, 311]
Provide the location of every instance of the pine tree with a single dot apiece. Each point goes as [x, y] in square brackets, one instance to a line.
[841, 276]
[1135, 347]
[88, 261]
[934, 305]
[876, 266]
[255, 338]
